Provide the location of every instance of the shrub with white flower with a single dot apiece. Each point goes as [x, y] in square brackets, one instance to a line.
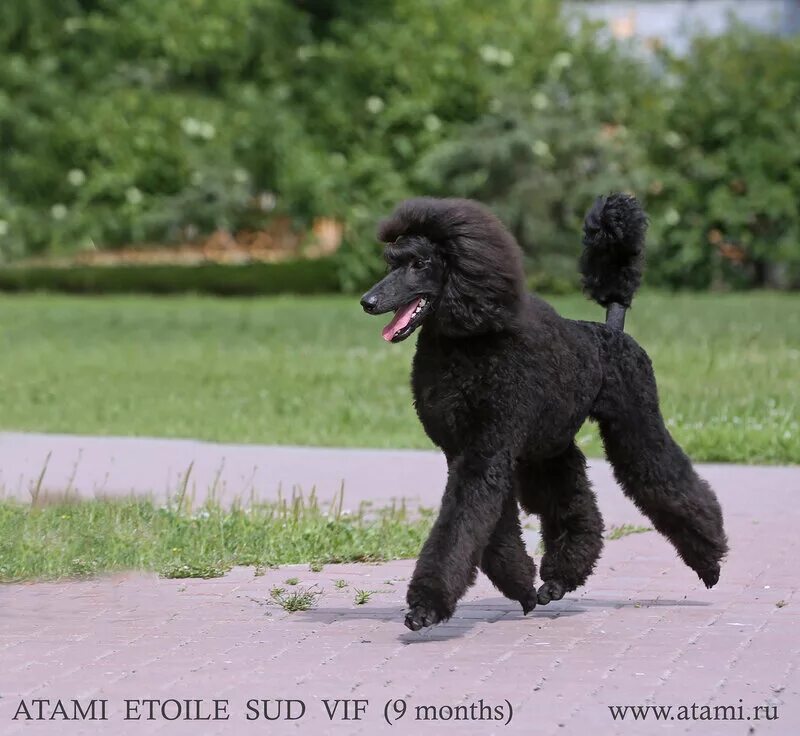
[76, 177]
[540, 148]
[58, 211]
[374, 104]
[505, 58]
[207, 131]
[432, 123]
[133, 195]
[195, 128]
[267, 201]
[488, 54]
[493, 55]
[562, 60]
[540, 101]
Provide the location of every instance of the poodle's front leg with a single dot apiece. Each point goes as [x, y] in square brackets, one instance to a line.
[477, 488]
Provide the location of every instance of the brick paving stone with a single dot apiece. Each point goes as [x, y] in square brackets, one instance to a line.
[643, 631]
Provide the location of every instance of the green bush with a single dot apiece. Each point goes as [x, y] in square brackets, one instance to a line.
[726, 160]
[540, 158]
[291, 277]
[147, 121]
[709, 142]
[123, 112]
[137, 121]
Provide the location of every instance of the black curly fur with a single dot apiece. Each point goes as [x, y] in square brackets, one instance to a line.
[483, 258]
[613, 255]
[502, 384]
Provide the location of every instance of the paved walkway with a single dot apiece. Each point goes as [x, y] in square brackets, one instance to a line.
[88, 467]
[642, 632]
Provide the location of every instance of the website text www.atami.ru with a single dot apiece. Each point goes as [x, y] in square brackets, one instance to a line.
[694, 712]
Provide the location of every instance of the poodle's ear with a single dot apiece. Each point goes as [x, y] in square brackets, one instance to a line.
[466, 308]
[486, 280]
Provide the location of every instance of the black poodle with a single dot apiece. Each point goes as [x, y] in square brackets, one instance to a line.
[502, 384]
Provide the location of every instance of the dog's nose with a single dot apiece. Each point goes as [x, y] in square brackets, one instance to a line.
[369, 302]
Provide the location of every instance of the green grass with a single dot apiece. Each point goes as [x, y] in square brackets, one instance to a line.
[625, 530]
[315, 371]
[82, 539]
[298, 600]
[362, 597]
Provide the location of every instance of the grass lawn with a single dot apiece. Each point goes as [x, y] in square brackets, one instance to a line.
[315, 371]
[82, 539]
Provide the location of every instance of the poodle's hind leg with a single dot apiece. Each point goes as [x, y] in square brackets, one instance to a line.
[572, 529]
[653, 470]
[505, 561]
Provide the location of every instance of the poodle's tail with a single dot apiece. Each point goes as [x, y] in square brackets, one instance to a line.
[613, 254]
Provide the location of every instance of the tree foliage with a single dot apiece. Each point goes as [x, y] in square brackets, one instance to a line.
[145, 121]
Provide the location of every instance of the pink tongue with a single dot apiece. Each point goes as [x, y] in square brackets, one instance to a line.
[401, 318]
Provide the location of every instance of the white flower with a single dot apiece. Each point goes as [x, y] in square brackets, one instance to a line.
[76, 177]
[672, 139]
[266, 201]
[562, 60]
[432, 123]
[133, 195]
[540, 101]
[505, 58]
[3, 228]
[493, 55]
[540, 148]
[58, 211]
[489, 54]
[240, 176]
[673, 217]
[374, 104]
[191, 127]
[73, 25]
[195, 128]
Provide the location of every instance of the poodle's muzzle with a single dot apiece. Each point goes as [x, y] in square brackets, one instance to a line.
[392, 294]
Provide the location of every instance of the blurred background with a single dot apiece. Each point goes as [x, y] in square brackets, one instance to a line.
[270, 130]
[248, 147]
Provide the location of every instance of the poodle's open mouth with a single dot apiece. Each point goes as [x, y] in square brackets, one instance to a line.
[406, 320]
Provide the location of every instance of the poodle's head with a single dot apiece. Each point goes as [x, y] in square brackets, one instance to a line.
[452, 264]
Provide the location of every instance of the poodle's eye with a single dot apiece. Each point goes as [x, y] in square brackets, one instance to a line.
[418, 264]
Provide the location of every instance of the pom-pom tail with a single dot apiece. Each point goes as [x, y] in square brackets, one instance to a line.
[613, 253]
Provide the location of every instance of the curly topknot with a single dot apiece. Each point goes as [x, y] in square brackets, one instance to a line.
[613, 253]
[486, 280]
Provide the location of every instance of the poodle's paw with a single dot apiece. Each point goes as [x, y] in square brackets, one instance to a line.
[421, 616]
[709, 575]
[529, 603]
[551, 590]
